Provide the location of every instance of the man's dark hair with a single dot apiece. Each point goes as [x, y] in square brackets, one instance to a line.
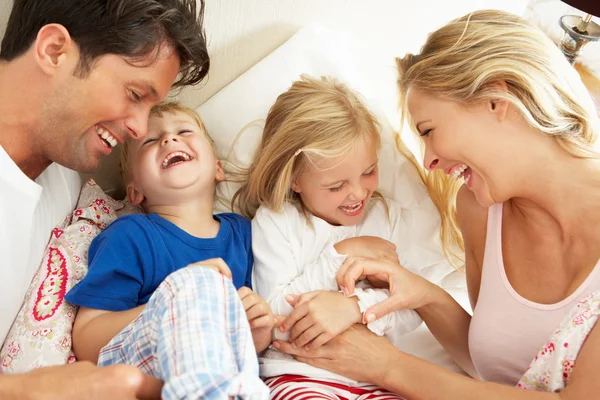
[129, 28]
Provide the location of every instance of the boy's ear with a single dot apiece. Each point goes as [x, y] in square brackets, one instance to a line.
[52, 48]
[134, 195]
[220, 175]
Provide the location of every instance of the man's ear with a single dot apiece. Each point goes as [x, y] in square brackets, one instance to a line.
[134, 195]
[52, 47]
[499, 106]
[220, 175]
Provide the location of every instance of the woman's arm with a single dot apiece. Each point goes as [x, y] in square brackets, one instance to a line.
[359, 354]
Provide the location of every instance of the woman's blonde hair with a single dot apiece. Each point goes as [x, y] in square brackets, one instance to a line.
[314, 119]
[466, 59]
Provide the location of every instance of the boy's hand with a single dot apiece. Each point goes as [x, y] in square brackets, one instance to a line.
[259, 316]
[214, 263]
[319, 316]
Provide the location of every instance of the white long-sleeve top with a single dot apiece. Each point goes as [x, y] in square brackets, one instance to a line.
[291, 257]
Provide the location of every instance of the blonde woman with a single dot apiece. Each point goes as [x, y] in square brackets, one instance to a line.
[311, 191]
[498, 108]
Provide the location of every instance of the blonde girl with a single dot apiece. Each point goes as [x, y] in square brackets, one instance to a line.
[312, 193]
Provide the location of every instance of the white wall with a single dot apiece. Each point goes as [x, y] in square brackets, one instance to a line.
[242, 32]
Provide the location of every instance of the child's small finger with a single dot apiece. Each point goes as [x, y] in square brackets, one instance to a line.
[262, 322]
[256, 310]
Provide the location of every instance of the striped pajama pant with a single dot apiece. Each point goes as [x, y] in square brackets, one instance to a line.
[295, 387]
[193, 335]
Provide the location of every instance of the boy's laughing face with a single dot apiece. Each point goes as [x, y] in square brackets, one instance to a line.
[175, 160]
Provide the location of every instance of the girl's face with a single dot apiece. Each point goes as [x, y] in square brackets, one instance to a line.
[475, 143]
[338, 189]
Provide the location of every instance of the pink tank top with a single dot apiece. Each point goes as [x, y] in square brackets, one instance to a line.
[507, 330]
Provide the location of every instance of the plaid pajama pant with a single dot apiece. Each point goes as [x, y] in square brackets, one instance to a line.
[193, 335]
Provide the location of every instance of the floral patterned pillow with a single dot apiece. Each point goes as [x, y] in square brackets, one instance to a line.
[41, 333]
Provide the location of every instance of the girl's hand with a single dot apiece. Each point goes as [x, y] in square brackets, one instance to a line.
[407, 290]
[260, 317]
[368, 247]
[319, 316]
[356, 353]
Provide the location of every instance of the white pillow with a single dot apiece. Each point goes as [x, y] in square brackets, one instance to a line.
[317, 52]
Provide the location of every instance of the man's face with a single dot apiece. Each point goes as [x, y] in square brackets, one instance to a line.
[84, 119]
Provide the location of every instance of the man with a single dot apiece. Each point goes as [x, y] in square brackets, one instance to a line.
[77, 77]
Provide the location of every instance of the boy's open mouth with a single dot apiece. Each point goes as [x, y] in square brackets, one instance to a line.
[175, 158]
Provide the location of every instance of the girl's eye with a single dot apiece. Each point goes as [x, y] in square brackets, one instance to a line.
[337, 188]
[425, 133]
[184, 131]
[149, 140]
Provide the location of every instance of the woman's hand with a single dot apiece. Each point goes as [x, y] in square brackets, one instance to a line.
[368, 247]
[319, 316]
[357, 353]
[407, 290]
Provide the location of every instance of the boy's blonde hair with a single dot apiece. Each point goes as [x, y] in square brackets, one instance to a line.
[314, 119]
[170, 107]
[464, 60]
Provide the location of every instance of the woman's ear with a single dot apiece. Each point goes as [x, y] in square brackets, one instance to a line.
[52, 47]
[499, 106]
[134, 195]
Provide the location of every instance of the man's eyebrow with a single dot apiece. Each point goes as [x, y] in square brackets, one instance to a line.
[148, 86]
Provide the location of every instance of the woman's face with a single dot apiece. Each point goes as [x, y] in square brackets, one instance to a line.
[470, 143]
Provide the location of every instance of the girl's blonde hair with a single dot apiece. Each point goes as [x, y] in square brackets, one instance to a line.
[466, 59]
[314, 119]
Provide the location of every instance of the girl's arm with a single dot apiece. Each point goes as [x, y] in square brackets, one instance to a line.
[277, 273]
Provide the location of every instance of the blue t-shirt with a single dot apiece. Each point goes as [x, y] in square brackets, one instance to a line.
[134, 254]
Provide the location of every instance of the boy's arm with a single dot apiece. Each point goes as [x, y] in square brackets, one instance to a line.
[93, 329]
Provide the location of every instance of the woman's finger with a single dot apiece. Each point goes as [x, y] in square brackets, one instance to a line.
[344, 280]
[363, 268]
[391, 304]
[286, 347]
